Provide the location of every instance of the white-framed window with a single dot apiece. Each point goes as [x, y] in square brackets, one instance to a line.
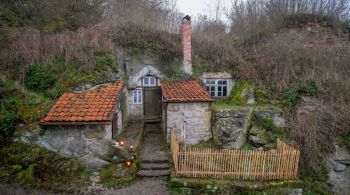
[137, 96]
[217, 87]
[149, 81]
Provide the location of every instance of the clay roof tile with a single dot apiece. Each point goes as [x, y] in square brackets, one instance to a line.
[93, 105]
[184, 91]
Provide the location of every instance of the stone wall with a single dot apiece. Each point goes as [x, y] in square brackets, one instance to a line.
[91, 144]
[135, 110]
[197, 116]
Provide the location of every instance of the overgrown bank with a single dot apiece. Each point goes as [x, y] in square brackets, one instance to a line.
[307, 60]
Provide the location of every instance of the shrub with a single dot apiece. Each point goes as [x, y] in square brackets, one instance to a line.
[179, 74]
[30, 110]
[36, 167]
[266, 123]
[8, 122]
[116, 174]
[290, 98]
[39, 77]
[239, 93]
[106, 60]
[309, 88]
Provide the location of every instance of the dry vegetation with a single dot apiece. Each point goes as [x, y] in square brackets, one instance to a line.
[276, 44]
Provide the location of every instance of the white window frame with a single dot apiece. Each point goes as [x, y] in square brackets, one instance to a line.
[148, 83]
[139, 96]
[213, 86]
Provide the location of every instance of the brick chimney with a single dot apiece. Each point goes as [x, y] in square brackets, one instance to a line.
[186, 30]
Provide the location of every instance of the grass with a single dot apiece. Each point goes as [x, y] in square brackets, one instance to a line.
[35, 167]
[117, 174]
[205, 144]
[224, 186]
[345, 139]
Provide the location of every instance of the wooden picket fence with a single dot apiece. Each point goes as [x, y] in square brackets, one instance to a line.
[277, 164]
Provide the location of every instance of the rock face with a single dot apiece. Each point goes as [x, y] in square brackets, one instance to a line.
[258, 136]
[248, 95]
[338, 165]
[273, 113]
[90, 144]
[230, 127]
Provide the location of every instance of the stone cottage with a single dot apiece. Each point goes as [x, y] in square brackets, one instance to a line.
[83, 124]
[186, 110]
[144, 99]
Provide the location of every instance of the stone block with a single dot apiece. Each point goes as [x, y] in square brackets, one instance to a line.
[75, 146]
[102, 149]
[173, 107]
[92, 162]
[74, 133]
[92, 134]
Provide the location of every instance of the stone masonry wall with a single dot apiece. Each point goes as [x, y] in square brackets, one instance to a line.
[91, 144]
[197, 116]
[135, 110]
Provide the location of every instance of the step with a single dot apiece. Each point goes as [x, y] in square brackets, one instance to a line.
[154, 166]
[153, 173]
[155, 160]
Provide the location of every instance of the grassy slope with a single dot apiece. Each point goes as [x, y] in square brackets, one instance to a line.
[282, 65]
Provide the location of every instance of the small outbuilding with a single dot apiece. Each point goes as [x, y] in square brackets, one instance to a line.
[186, 110]
[82, 124]
[218, 84]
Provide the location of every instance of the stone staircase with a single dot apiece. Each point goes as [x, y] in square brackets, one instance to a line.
[154, 168]
[154, 160]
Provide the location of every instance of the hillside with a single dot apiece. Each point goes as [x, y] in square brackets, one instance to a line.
[304, 65]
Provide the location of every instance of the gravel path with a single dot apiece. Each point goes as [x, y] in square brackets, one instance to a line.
[144, 186]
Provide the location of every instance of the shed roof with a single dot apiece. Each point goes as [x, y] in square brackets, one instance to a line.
[217, 75]
[184, 91]
[94, 105]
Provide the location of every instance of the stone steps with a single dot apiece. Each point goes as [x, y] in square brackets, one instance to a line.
[153, 173]
[155, 166]
[154, 160]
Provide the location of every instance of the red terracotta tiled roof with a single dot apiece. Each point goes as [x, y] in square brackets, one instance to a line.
[89, 106]
[184, 91]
